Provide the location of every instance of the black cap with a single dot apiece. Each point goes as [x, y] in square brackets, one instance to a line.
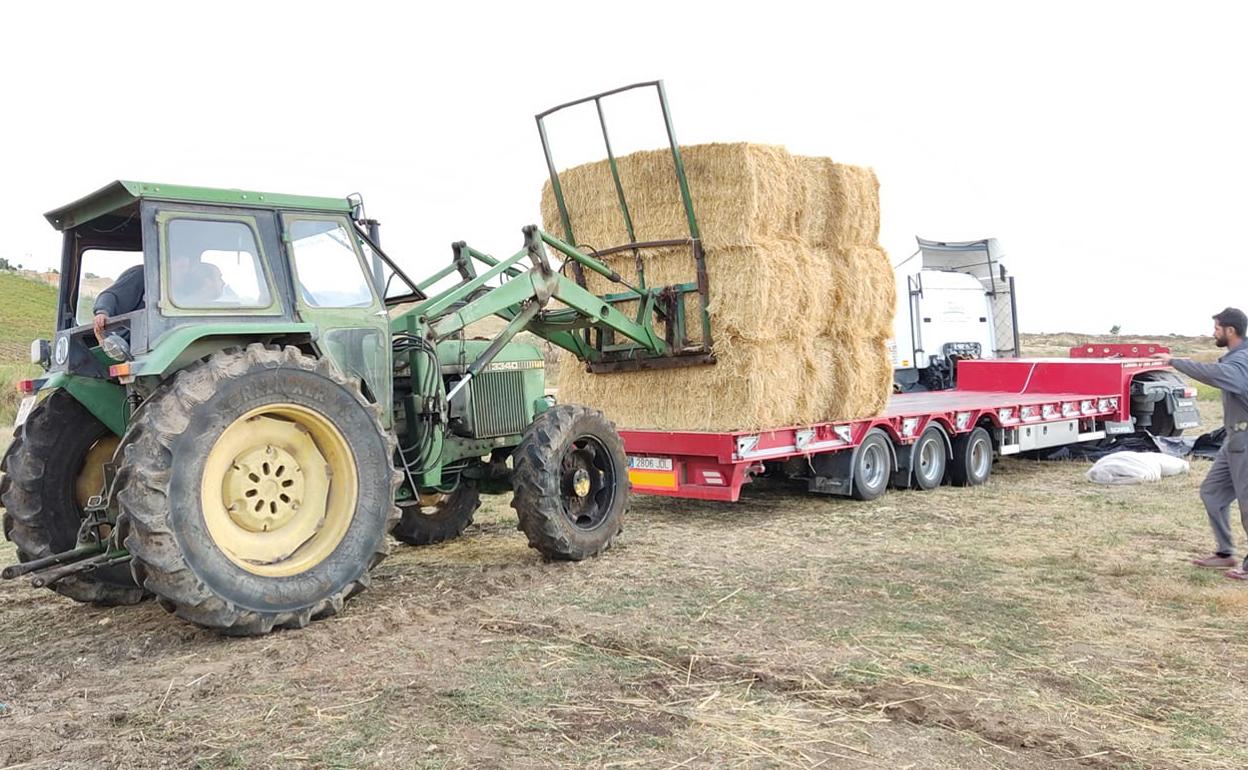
[1232, 318]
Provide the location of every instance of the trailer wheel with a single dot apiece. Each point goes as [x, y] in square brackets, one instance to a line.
[873, 465]
[571, 483]
[929, 459]
[972, 459]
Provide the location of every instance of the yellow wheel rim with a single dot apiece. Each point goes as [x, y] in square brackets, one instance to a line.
[279, 490]
[90, 479]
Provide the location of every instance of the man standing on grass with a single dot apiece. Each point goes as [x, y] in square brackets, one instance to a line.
[1228, 478]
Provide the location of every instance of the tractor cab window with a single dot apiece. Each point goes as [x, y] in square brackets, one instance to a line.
[214, 265]
[327, 265]
[396, 287]
[100, 269]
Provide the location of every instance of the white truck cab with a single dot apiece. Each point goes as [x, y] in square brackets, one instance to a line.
[956, 303]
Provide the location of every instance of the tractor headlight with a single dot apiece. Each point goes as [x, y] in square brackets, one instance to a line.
[116, 348]
[41, 353]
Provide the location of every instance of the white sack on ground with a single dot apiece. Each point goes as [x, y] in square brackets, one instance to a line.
[1135, 467]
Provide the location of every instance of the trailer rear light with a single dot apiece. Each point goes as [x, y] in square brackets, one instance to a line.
[27, 387]
[1189, 393]
[119, 370]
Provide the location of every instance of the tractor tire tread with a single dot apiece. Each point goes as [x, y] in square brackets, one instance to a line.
[26, 518]
[143, 479]
[536, 493]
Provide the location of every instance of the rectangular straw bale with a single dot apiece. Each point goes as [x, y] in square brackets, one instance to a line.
[741, 192]
[856, 376]
[842, 205]
[773, 288]
[864, 298]
[754, 384]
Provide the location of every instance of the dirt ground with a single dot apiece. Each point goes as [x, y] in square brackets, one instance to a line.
[1036, 622]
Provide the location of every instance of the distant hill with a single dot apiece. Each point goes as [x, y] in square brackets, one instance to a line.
[27, 312]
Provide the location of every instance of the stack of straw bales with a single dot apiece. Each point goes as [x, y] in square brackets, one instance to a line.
[802, 295]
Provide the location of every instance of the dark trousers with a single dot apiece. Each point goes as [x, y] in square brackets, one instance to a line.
[1227, 482]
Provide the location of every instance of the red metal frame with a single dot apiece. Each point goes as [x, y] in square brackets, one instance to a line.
[1116, 350]
[1005, 393]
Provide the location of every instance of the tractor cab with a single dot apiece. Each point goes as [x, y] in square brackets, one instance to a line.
[179, 271]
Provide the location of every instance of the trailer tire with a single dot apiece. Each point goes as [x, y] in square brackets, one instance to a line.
[971, 463]
[42, 513]
[445, 520]
[250, 424]
[873, 466]
[929, 459]
[570, 477]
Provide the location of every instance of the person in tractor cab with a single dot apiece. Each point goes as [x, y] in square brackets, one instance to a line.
[202, 283]
[1227, 480]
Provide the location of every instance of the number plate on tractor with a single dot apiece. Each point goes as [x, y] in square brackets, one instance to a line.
[23, 411]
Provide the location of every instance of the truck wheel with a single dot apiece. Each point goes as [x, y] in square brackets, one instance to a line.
[570, 477]
[56, 462]
[972, 459]
[436, 518]
[929, 459]
[258, 490]
[873, 465]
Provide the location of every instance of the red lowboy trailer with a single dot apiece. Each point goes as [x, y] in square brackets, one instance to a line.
[1000, 407]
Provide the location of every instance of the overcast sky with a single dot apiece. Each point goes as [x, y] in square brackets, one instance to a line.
[1102, 143]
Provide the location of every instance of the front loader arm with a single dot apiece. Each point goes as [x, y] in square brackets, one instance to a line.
[525, 294]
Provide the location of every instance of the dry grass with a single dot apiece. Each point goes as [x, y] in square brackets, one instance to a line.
[1036, 622]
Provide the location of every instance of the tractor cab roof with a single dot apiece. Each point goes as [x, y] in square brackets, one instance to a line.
[121, 196]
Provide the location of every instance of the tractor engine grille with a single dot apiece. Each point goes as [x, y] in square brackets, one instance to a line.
[498, 407]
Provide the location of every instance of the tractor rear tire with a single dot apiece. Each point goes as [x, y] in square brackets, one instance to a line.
[570, 481]
[44, 469]
[258, 489]
[445, 519]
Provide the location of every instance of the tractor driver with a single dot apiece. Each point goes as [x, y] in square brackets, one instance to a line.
[200, 282]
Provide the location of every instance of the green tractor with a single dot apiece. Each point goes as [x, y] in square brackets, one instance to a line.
[266, 397]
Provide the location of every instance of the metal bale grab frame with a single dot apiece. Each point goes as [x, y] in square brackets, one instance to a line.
[669, 301]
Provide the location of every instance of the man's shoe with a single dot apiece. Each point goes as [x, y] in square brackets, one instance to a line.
[1213, 561]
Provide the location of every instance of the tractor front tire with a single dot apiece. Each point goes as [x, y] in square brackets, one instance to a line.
[56, 456]
[444, 518]
[257, 490]
[570, 481]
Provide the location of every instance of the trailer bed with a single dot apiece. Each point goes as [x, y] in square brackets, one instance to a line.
[1026, 404]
